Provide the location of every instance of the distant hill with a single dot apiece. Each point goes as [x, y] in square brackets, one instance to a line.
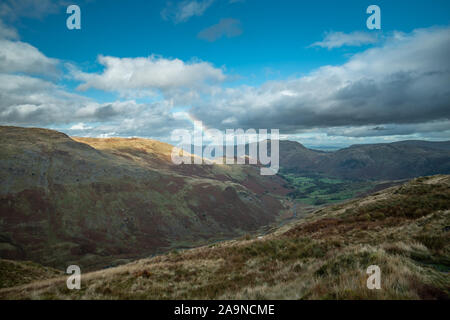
[98, 202]
[386, 161]
[404, 230]
[382, 161]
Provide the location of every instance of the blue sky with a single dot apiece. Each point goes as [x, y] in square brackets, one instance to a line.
[275, 34]
[207, 56]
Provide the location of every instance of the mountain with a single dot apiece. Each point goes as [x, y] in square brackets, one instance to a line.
[404, 230]
[102, 202]
[97, 202]
[385, 161]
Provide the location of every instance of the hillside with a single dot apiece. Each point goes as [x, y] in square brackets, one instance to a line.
[405, 230]
[386, 161]
[14, 273]
[99, 202]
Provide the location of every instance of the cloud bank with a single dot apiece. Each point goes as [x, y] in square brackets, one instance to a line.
[404, 81]
[397, 88]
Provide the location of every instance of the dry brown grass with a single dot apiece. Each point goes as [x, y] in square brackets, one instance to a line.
[322, 256]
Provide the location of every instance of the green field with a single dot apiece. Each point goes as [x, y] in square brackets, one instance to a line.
[319, 190]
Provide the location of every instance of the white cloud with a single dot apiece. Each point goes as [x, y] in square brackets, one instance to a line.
[340, 39]
[183, 11]
[80, 126]
[17, 56]
[148, 74]
[27, 100]
[134, 120]
[32, 101]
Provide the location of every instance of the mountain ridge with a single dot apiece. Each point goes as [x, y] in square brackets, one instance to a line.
[391, 161]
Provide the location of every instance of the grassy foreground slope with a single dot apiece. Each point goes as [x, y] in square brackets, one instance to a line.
[101, 202]
[14, 273]
[405, 230]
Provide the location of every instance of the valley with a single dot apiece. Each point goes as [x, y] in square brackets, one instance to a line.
[141, 227]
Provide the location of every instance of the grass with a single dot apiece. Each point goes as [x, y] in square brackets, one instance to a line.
[322, 256]
[14, 273]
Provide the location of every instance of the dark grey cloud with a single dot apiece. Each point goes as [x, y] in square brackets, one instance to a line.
[403, 81]
[225, 28]
[442, 126]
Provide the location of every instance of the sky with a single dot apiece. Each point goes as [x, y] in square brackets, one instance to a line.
[311, 69]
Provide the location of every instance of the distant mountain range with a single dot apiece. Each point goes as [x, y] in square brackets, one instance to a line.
[386, 161]
[382, 161]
